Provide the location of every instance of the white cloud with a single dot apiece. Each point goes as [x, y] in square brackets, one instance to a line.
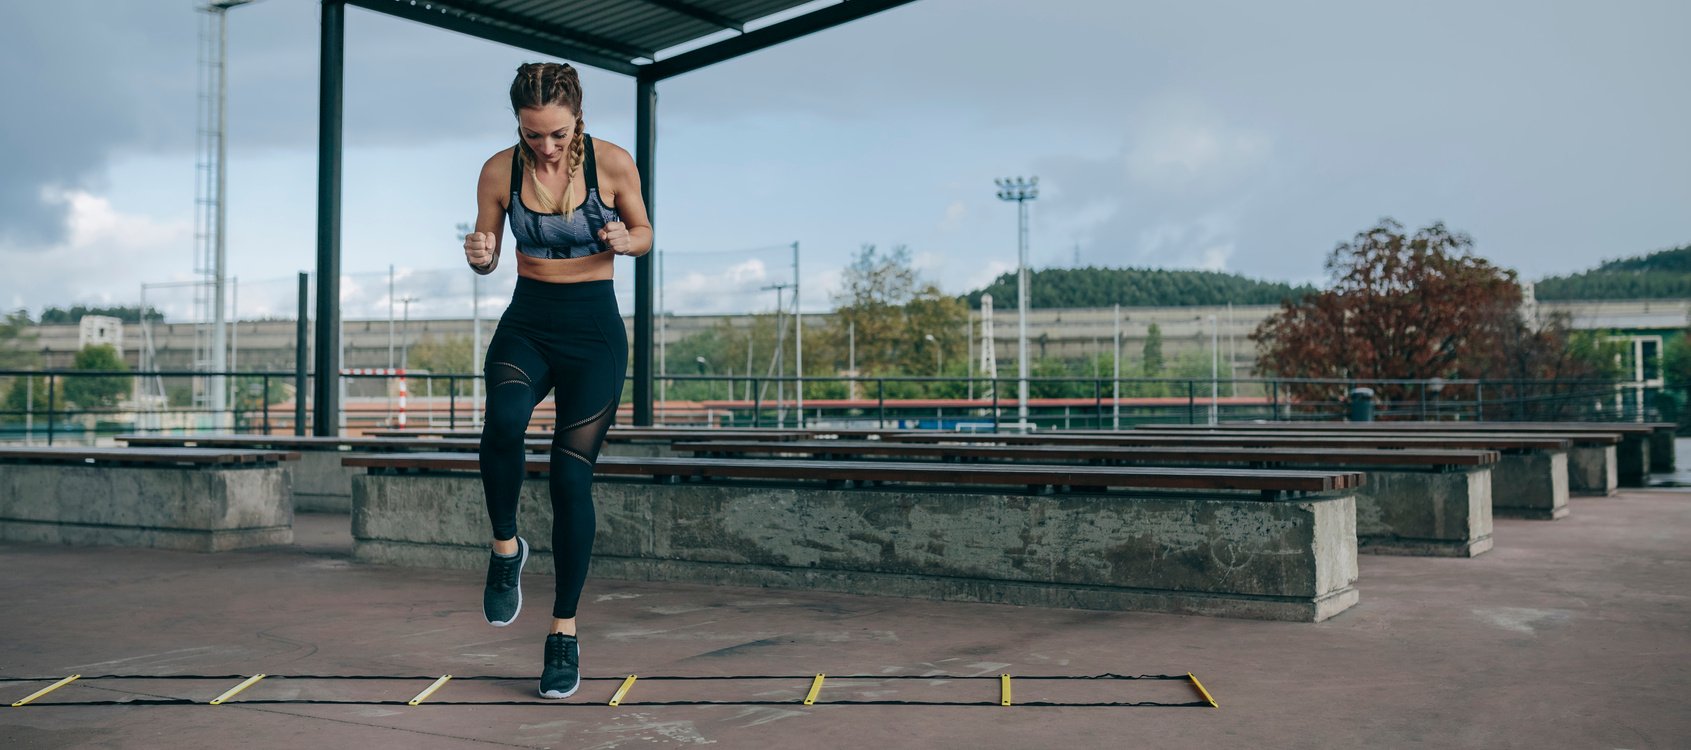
[1181, 145]
[104, 249]
[954, 215]
[984, 275]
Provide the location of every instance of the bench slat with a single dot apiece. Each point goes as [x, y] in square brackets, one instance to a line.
[1086, 476]
[1100, 453]
[196, 456]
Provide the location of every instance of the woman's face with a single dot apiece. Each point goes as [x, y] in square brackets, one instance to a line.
[547, 130]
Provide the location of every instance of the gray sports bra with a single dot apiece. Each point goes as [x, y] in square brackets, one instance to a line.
[545, 235]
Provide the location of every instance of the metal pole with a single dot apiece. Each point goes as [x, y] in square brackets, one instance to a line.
[645, 148]
[52, 396]
[405, 333]
[299, 352]
[851, 356]
[390, 316]
[235, 334]
[663, 348]
[1115, 388]
[1022, 312]
[969, 338]
[219, 335]
[1215, 366]
[326, 409]
[798, 322]
[1021, 191]
[475, 345]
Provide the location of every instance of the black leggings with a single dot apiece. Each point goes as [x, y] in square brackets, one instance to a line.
[566, 338]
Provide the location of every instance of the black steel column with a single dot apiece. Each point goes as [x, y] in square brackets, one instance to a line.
[645, 146]
[300, 332]
[325, 408]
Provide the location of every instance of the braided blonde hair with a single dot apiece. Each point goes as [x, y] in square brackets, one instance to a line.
[539, 85]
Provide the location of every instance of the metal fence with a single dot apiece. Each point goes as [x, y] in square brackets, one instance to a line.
[81, 406]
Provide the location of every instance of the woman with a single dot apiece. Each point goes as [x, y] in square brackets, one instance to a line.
[573, 203]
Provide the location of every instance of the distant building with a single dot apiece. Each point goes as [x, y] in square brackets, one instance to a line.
[100, 329]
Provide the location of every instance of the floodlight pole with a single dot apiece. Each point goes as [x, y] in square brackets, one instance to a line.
[1021, 191]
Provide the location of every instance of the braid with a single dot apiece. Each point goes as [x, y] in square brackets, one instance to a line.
[578, 152]
[543, 84]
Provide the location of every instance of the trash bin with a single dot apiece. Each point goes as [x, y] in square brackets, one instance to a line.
[1362, 405]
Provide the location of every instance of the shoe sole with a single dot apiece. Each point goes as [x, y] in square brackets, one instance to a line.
[556, 695]
[521, 562]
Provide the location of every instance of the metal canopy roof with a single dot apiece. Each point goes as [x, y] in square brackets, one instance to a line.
[625, 36]
[628, 36]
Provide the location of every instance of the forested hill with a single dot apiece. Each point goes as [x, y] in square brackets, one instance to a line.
[1135, 287]
[1663, 275]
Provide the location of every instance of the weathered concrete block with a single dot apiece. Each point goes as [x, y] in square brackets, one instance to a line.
[1530, 485]
[1175, 552]
[204, 509]
[1593, 470]
[321, 484]
[637, 448]
[1633, 456]
[1662, 456]
[1444, 513]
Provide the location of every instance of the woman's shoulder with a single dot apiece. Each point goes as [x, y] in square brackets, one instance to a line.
[500, 161]
[611, 157]
[496, 172]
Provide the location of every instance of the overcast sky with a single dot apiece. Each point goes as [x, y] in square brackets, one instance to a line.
[1238, 135]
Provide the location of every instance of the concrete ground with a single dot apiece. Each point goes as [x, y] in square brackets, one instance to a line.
[1570, 634]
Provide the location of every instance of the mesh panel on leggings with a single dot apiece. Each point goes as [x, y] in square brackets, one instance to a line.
[581, 440]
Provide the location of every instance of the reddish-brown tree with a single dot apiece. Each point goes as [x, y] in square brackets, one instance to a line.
[1410, 307]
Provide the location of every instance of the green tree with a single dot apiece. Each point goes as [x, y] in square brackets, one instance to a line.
[1141, 287]
[444, 356]
[1153, 352]
[890, 311]
[30, 394]
[17, 342]
[1661, 275]
[128, 314]
[97, 391]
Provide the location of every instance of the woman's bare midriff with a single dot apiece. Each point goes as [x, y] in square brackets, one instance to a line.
[598, 267]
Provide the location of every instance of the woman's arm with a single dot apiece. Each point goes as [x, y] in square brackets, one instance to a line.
[633, 235]
[481, 249]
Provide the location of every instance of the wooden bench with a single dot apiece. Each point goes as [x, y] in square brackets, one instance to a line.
[322, 484]
[1600, 459]
[1229, 542]
[1530, 479]
[199, 499]
[1418, 502]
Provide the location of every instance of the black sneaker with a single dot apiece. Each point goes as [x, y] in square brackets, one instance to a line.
[503, 597]
[561, 674]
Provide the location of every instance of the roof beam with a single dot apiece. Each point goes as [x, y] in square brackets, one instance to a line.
[769, 36]
[562, 32]
[450, 18]
[695, 12]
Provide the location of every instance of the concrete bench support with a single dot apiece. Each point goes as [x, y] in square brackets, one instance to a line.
[200, 509]
[1530, 485]
[321, 484]
[1593, 470]
[1190, 553]
[1444, 513]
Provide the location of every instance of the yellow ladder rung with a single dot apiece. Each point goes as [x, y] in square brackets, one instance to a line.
[247, 683]
[46, 690]
[616, 700]
[428, 691]
[1201, 690]
[1004, 690]
[815, 687]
